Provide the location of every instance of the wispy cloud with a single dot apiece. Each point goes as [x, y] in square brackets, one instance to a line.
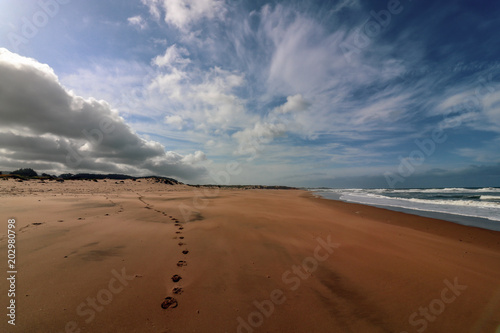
[267, 83]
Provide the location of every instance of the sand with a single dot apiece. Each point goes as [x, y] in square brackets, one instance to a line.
[100, 257]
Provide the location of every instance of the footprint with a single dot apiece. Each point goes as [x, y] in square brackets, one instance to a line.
[176, 278]
[177, 290]
[181, 228]
[181, 263]
[181, 243]
[177, 232]
[181, 237]
[169, 301]
[185, 252]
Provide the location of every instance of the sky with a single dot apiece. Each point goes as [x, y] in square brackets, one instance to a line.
[345, 93]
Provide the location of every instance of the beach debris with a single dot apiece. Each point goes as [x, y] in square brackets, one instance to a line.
[177, 290]
[176, 278]
[169, 301]
[181, 263]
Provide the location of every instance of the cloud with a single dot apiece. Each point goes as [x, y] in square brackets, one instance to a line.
[137, 21]
[293, 104]
[42, 122]
[119, 82]
[251, 140]
[175, 120]
[173, 57]
[197, 157]
[205, 99]
[243, 76]
[183, 13]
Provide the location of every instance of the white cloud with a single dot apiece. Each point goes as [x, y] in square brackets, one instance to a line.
[121, 83]
[473, 104]
[251, 140]
[195, 158]
[154, 7]
[44, 123]
[173, 57]
[171, 84]
[137, 21]
[293, 103]
[175, 120]
[491, 104]
[205, 98]
[182, 13]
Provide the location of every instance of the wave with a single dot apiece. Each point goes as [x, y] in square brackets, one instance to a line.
[468, 203]
[489, 197]
[414, 190]
[470, 208]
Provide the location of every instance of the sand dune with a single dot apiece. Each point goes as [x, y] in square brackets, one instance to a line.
[103, 257]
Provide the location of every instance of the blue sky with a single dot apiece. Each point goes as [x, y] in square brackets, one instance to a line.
[342, 93]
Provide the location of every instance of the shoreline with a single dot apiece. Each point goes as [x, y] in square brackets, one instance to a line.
[470, 221]
[99, 257]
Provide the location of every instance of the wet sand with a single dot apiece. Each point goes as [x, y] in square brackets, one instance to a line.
[101, 257]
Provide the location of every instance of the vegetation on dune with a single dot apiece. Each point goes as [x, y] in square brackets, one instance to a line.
[29, 173]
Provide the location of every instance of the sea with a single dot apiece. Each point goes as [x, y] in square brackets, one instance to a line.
[478, 207]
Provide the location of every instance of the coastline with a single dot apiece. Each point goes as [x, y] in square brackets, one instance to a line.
[371, 269]
[471, 221]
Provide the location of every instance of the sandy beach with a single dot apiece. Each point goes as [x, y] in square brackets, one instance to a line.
[101, 257]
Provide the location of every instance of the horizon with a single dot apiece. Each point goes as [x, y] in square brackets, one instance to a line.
[344, 94]
[2, 172]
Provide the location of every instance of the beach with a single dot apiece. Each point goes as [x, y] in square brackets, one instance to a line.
[100, 257]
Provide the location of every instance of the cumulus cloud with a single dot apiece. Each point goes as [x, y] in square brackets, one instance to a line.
[182, 13]
[293, 103]
[45, 124]
[197, 157]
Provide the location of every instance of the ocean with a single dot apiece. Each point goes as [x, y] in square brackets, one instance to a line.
[478, 207]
